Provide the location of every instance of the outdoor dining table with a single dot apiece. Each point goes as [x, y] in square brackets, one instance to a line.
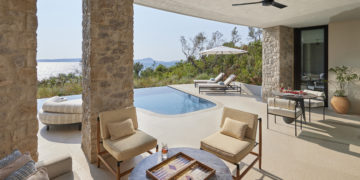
[298, 98]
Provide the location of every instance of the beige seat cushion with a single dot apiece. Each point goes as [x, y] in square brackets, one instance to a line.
[234, 128]
[226, 147]
[56, 166]
[121, 129]
[130, 146]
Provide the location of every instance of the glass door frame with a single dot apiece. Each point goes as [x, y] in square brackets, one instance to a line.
[297, 56]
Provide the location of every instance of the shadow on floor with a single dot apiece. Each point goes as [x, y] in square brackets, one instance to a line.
[67, 134]
[333, 134]
[104, 173]
[264, 173]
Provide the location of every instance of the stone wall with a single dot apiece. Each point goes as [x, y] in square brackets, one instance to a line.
[107, 63]
[19, 125]
[278, 59]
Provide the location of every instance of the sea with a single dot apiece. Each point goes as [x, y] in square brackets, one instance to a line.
[53, 67]
[48, 69]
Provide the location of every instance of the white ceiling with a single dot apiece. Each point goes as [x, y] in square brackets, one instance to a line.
[299, 13]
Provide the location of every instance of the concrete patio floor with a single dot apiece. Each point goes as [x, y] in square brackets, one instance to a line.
[324, 149]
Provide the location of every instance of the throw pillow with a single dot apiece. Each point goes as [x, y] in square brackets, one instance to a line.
[212, 79]
[10, 158]
[121, 129]
[40, 174]
[234, 128]
[17, 164]
[221, 83]
[23, 172]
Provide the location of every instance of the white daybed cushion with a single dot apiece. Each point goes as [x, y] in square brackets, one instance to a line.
[59, 118]
[66, 106]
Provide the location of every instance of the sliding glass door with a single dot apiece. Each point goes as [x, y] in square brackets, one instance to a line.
[311, 59]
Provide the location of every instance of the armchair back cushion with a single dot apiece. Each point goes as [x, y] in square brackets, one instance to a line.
[320, 95]
[250, 119]
[281, 103]
[116, 116]
[118, 130]
[234, 128]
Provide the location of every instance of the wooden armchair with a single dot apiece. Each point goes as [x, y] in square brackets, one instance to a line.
[125, 147]
[234, 149]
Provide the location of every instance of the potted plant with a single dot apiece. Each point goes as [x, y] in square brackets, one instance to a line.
[339, 102]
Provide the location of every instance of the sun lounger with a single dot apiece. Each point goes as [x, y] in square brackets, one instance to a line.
[215, 80]
[220, 86]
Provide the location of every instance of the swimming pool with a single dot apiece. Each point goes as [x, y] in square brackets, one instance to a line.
[167, 100]
[162, 100]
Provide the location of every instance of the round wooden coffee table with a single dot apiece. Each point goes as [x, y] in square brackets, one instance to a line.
[222, 171]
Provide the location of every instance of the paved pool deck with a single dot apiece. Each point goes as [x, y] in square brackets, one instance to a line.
[324, 149]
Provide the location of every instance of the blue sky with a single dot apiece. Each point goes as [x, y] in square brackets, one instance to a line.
[156, 33]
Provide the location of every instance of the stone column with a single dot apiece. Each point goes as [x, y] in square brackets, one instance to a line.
[107, 63]
[278, 59]
[18, 122]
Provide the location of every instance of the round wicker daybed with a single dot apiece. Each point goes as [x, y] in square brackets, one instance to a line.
[58, 110]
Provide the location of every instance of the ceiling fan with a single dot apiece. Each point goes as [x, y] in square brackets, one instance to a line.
[265, 3]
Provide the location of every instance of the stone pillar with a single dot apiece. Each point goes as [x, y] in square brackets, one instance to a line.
[107, 63]
[278, 59]
[18, 84]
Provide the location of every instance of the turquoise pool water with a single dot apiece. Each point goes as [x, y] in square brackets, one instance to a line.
[162, 100]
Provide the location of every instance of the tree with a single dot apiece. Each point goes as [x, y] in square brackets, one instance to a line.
[192, 49]
[137, 68]
[251, 33]
[258, 33]
[216, 40]
[235, 37]
[147, 72]
[255, 33]
[161, 68]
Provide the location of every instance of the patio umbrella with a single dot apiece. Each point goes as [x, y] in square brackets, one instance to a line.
[222, 50]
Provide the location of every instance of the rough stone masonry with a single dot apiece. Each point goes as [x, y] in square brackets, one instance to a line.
[278, 59]
[107, 63]
[18, 122]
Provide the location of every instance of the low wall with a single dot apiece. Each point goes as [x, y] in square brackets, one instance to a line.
[250, 89]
